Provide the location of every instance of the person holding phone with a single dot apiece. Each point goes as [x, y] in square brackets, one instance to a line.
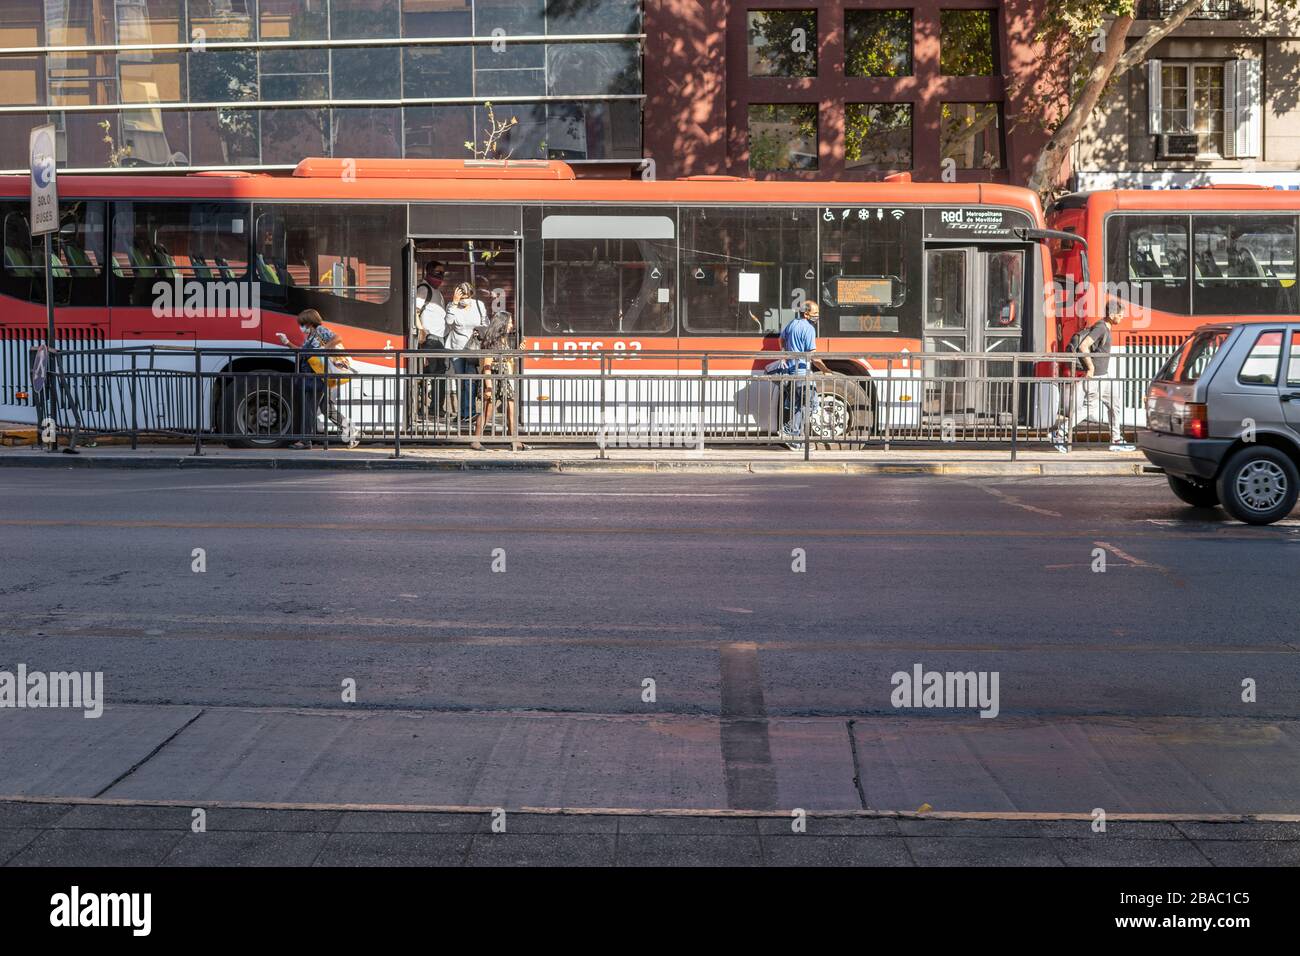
[464, 314]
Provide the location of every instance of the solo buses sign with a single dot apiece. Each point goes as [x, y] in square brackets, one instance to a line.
[45, 193]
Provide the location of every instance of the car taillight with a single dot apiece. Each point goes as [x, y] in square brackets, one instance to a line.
[1196, 423]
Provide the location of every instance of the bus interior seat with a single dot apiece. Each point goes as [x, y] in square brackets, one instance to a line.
[18, 262]
[1206, 266]
[1145, 265]
[199, 266]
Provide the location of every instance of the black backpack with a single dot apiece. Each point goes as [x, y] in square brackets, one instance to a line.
[1076, 341]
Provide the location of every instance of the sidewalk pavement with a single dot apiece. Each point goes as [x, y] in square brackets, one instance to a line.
[750, 459]
[95, 833]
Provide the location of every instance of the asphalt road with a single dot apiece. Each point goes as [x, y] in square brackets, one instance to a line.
[1119, 689]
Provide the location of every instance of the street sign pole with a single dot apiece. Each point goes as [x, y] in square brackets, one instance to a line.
[44, 221]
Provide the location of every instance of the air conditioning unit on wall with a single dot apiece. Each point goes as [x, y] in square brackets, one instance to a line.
[1177, 146]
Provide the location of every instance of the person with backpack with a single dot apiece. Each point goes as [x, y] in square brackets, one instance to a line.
[430, 330]
[1085, 398]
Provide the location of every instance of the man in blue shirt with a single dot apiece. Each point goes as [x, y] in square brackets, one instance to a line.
[799, 335]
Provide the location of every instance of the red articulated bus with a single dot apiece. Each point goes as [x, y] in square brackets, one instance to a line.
[663, 268]
[1179, 258]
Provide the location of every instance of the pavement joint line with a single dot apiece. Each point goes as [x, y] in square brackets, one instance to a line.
[857, 769]
[151, 754]
[1249, 534]
[947, 815]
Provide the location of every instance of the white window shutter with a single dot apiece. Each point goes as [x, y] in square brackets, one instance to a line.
[1154, 97]
[1230, 109]
[1250, 107]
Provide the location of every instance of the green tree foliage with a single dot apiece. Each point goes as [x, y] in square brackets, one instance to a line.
[878, 42]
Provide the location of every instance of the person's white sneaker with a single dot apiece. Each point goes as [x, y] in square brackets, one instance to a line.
[1122, 446]
[1058, 441]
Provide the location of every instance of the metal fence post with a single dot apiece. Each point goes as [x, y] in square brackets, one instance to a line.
[807, 411]
[135, 401]
[601, 431]
[889, 397]
[704, 385]
[1015, 406]
[198, 401]
[397, 402]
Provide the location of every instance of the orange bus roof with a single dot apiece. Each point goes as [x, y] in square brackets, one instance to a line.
[455, 181]
[1216, 197]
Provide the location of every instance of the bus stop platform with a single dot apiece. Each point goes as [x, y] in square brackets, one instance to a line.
[751, 459]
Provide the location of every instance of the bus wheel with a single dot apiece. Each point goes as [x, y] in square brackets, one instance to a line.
[257, 410]
[843, 411]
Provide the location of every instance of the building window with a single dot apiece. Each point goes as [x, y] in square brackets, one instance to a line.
[878, 42]
[782, 42]
[1191, 101]
[967, 43]
[971, 134]
[782, 136]
[878, 136]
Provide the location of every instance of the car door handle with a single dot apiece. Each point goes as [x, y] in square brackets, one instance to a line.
[1291, 396]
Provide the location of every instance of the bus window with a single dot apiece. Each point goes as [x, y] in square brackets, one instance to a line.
[1244, 265]
[882, 247]
[190, 241]
[608, 270]
[1149, 253]
[746, 270]
[339, 259]
[77, 258]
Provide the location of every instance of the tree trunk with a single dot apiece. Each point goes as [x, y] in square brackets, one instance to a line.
[1114, 61]
[1047, 169]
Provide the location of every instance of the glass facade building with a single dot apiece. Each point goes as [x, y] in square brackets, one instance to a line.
[260, 84]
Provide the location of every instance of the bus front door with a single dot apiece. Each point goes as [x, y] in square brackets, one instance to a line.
[974, 309]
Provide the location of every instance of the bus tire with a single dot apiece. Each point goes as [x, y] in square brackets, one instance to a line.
[1258, 485]
[257, 409]
[1197, 495]
[844, 411]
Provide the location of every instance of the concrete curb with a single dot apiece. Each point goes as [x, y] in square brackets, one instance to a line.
[949, 815]
[1123, 468]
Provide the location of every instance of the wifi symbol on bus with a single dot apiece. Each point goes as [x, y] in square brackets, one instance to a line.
[897, 214]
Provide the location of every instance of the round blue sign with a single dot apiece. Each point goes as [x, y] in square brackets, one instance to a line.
[43, 159]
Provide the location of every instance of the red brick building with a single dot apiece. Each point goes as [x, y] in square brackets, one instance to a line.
[842, 89]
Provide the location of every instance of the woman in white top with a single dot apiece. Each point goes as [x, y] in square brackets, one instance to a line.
[464, 314]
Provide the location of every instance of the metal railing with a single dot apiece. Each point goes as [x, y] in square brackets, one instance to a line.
[609, 400]
[1209, 10]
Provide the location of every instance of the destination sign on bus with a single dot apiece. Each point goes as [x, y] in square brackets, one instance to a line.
[966, 222]
[868, 323]
[869, 290]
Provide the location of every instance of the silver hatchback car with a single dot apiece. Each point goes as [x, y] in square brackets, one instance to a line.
[1223, 420]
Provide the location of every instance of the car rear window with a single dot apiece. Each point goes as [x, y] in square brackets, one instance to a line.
[1260, 366]
[1187, 364]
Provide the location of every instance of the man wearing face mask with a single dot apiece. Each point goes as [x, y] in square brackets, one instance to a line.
[430, 330]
